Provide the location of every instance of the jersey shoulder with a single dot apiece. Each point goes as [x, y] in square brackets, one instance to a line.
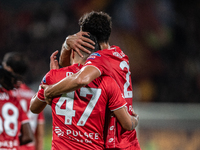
[114, 52]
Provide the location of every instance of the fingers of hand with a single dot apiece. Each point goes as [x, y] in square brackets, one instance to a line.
[43, 86]
[48, 101]
[82, 39]
[80, 47]
[137, 117]
[88, 40]
[54, 53]
[88, 45]
[84, 33]
[78, 51]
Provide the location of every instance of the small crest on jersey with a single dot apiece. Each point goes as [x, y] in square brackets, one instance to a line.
[91, 57]
[95, 54]
[117, 54]
[44, 79]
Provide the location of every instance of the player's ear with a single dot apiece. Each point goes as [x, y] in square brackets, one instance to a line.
[72, 54]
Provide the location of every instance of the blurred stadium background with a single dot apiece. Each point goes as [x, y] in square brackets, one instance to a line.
[161, 38]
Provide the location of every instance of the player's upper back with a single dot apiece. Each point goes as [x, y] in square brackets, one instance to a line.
[113, 62]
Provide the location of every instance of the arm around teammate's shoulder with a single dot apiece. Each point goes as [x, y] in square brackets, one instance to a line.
[73, 82]
[86, 75]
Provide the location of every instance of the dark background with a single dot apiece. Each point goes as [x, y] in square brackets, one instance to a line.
[161, 38]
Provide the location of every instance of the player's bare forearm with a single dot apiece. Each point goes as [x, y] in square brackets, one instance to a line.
[36, 105]
[73, 82]
[64, 59]
[134, 120]
[66, 85]
[127, 121]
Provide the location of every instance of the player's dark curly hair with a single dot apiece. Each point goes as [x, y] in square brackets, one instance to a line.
[94, 39]
[7, 79]
[98, 24]
[16, 61]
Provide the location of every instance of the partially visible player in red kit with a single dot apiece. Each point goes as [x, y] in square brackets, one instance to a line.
[16, 63]
[79, 116]
[15, 129]
[109, 61]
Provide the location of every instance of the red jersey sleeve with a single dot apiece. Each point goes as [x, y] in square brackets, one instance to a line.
[46, 80]
[100, 61]
[40, 94]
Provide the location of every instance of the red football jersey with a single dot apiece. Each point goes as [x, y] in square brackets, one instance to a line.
[12, 117]
[79, 116]
[113, 62]
[24, 95]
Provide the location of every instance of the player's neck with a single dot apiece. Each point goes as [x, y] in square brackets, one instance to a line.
[76, 59]
[79, 61]
[104, 45]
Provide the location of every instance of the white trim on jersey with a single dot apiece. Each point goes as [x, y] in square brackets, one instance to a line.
[26, 121]
[119, 107]
[41, 99]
